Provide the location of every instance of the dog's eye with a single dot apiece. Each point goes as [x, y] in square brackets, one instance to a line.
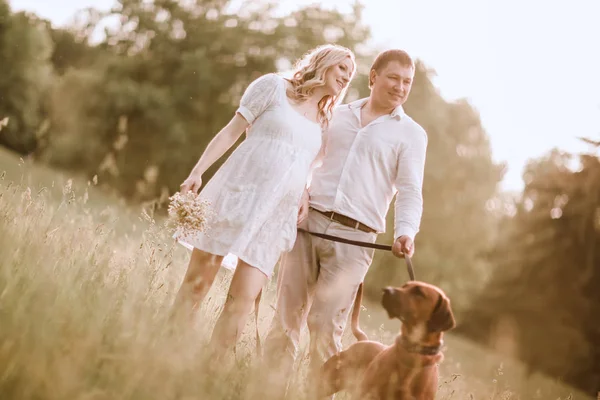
[418, 291]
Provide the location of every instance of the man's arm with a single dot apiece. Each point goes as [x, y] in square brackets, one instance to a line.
[409, 199]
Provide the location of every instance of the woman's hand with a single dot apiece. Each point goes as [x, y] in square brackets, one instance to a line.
[193, 183]
[303, 209]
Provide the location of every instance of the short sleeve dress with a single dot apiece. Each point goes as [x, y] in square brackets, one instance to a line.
[255, 195]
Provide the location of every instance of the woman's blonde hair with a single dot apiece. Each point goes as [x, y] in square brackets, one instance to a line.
[309, 74]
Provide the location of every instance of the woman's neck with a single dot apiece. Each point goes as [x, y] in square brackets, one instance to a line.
[315, 97]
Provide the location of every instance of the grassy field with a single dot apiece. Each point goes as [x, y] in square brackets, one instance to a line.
[86, 283]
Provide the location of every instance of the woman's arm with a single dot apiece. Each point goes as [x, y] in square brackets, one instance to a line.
[256, 99]
[215, 150]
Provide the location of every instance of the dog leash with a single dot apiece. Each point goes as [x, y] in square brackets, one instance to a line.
[386, 247]
[409, 267]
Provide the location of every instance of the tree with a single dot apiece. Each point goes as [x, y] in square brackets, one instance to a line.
[25, 49]
[543, 299]
[171, 79]
[71, 45]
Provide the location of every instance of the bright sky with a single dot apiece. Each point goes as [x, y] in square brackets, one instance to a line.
[530, 67]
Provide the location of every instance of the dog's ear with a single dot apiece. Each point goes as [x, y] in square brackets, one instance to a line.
[441, 318]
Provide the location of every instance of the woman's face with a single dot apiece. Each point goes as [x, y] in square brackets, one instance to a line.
[338, 76]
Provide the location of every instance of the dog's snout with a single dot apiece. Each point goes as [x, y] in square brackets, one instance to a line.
[388, 290]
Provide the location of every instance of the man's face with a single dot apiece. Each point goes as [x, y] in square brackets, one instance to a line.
[391, 86]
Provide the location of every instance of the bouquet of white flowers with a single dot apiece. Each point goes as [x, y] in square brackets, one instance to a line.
[188, 213]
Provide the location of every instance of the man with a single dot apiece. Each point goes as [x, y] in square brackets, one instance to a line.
[373, 151]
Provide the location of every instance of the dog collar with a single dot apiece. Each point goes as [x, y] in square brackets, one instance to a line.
[417, 348]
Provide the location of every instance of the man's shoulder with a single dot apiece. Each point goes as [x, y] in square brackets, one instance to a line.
[413, 126]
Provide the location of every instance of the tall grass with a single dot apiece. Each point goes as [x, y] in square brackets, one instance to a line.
[84, 311]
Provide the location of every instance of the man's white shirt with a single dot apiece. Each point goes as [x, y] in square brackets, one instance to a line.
[364, 167]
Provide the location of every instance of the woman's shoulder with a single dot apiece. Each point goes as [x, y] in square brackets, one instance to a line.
[268, 87]
[269, 80]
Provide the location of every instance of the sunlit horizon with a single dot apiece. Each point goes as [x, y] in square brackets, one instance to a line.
[530, 69]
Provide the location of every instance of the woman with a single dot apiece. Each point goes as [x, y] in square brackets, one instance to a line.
[255, 196]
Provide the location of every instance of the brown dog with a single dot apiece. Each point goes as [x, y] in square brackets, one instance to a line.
[408, 369]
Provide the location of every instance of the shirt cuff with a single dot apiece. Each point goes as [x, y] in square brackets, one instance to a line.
[404, 229]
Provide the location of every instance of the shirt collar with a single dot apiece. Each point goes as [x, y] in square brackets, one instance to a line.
[355, 106]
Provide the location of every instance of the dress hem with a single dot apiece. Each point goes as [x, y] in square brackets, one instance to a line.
[191, 247]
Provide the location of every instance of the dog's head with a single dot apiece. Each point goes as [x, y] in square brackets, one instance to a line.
[419, 304]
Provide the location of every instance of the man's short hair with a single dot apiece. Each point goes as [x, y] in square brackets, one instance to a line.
[385, 57]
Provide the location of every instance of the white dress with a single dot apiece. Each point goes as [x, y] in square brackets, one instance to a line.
[255, 195]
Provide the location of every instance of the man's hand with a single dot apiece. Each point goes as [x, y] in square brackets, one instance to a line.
[303, 208]
[403, 245]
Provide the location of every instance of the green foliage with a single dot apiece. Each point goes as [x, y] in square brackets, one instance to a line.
[25, 49]
[173, 75]
[544, 293]
[71, 48]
